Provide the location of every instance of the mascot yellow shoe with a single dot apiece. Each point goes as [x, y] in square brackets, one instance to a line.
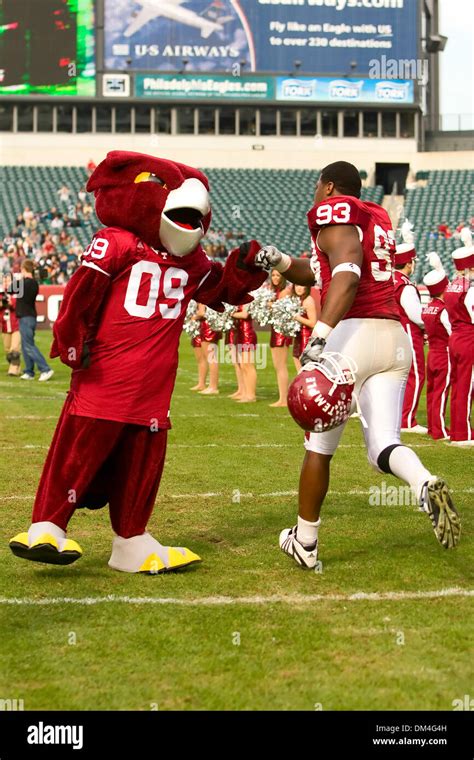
[45, 542]
[144, 554]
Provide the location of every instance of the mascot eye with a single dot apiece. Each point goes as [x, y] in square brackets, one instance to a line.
[149, 177]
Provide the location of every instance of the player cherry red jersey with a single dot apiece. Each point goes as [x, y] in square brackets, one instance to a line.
[437, 334]
[134, 353]
[455, 297]
[375, 297]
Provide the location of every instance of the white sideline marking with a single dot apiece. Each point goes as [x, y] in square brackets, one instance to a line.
[220, 601]
[220, 494]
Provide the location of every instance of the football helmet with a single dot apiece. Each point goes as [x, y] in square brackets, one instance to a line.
[320, 397]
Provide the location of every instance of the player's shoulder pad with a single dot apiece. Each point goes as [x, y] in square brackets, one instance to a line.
[339, 209]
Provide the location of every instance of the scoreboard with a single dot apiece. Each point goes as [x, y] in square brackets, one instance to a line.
[47, 46]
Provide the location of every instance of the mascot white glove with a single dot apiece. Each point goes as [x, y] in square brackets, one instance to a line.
[269, 257]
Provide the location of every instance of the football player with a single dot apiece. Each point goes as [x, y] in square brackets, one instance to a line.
[353, 249]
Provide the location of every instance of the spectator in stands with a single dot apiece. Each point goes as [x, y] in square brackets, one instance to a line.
[432, 234]
[91, 165]
[57, 223]
[28, 217]
[26, 312]
[64, 194]
[82, 195]
[444, 230]
[4, 262]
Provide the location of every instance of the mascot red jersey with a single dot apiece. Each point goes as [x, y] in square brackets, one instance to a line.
[124, 309]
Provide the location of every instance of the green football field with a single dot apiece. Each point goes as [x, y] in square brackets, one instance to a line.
[246, 629]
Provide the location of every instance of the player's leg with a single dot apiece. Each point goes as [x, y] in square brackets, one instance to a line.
[279, 358]
[301, 541]
[138, 462]
[381, 400]
[79, 448]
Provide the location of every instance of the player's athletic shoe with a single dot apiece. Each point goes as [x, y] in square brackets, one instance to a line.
[290, 545]
[436, 501]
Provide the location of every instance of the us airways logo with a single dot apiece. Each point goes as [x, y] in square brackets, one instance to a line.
[45, 734]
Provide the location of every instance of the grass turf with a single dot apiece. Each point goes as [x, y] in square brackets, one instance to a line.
[228, 469]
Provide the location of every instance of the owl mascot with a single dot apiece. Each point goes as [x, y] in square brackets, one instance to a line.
[119, 328]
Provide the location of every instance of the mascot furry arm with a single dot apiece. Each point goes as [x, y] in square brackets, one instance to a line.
[125, 181]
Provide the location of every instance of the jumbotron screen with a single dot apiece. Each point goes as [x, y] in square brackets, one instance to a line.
[47, 47]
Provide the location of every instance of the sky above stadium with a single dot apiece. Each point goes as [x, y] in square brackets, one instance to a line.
[457, 62]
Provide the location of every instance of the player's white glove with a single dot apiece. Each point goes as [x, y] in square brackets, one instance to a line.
[268, 257]
[314, 348]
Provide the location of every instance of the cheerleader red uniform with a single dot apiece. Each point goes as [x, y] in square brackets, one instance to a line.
[208, 335]
[196, 342]
[278, 340]
[246, 337]
[302, 338]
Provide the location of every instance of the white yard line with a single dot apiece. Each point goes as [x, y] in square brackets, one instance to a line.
[229, 494]
[222, 601]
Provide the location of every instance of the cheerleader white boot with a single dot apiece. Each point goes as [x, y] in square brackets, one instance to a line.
[144, 554]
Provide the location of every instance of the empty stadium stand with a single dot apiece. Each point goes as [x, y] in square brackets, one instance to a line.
[448, 197]
[269, 205]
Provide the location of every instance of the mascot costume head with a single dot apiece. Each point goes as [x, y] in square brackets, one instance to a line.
[165, 203]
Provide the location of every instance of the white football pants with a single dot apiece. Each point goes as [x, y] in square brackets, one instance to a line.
[382, 352]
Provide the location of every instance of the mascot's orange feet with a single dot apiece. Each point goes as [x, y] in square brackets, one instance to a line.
[45, 542]
[144, 554]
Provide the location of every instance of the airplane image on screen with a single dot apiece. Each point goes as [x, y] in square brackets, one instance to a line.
[171, 9]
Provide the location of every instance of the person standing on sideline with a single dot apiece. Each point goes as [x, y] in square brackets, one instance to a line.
[25, 309]
[409, 306]
[459, 298]
[438, 330]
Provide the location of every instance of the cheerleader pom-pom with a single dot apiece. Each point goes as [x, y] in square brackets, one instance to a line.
[283, 316]
[220, 321]
[191, 326]
[260, 308]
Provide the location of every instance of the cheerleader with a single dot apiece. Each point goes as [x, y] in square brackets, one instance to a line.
[307, 321]
[208, 339]
[279, 343]
[246, 342]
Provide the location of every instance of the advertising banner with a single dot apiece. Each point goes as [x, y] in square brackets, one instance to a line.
[328, 90]
[334, 37]
[202, 86]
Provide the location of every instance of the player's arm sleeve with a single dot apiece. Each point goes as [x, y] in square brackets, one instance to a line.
[411, 305]
[444, 317]
[83, 298]
[233, 282]
[469, 303]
